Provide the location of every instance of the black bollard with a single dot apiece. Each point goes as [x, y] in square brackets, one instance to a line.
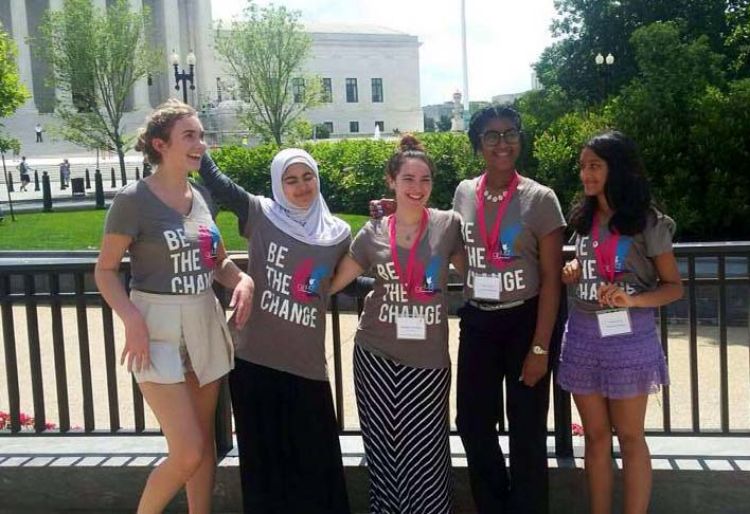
[113, 181]
[88, 179]
[36, 180]
[137, 174]
[123, 177]
[10, 182]
[146, 169]
[99, 189]
[46, 193]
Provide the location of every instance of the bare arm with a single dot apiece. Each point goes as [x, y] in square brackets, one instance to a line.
[668, 290]
[224, 189]
[347, 270]
[458, 260]
[550, 262]
[232, 277]
[108, 281]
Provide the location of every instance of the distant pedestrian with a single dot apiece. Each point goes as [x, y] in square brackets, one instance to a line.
[23, 168]
[38, 129]
[64, 174]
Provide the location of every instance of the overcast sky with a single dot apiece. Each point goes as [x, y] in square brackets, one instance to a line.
[504, 37]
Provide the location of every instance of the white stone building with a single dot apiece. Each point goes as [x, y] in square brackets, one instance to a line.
[179, 25]
[373, 72]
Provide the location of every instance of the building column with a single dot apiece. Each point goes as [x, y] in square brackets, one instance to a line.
[172, 38]
[60, 95]
[202, 21]
[140, 89]
[20, 33]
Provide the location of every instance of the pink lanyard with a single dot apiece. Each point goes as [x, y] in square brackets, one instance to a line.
[406, 280]
[490, 241]
[604, 251]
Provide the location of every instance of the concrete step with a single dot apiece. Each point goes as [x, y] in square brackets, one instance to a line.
[707, 475]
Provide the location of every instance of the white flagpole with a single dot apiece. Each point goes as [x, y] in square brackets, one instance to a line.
[465, 65]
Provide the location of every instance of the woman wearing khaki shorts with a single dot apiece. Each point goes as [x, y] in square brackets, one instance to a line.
[177, 343]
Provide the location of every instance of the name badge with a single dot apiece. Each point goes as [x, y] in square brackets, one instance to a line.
[414, 329]
[614, 322]
[486, 287]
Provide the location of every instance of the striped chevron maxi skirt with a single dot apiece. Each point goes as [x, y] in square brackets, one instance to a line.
[403, 414]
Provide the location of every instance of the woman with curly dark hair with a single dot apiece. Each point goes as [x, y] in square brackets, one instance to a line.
[611, 357]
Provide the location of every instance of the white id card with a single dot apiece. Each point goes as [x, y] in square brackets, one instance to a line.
[486, 288]
[614, 322]
[414, 329]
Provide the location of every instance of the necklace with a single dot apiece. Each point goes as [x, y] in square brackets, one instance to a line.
[495, 198]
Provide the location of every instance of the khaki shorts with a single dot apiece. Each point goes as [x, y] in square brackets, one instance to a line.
[186, 333]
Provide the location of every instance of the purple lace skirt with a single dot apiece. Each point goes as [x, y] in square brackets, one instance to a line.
[617, 366]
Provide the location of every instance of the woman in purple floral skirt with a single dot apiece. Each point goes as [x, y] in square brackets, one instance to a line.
[611, 357]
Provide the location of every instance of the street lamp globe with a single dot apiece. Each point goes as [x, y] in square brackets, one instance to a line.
[175, 58]
[599, 59]
[191, 58]
[610, 59]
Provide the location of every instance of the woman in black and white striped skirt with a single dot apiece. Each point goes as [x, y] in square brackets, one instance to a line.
[401, 362]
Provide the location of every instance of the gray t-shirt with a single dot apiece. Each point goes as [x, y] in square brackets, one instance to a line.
[532, 213]
[377, 331]
[170, 253]
[635, 271]
[286, 329]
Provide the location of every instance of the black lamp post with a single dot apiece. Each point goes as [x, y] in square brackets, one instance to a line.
[183, 76]
[600, 61]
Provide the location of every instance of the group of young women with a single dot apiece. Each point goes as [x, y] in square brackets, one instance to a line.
[504, 236]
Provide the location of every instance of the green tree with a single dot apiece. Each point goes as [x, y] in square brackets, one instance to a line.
[6, 145]
[444, 123]
[658, 109]
[738, 38]
[266, 50]
[97, 57]
[557, 151]
[585, 28]
[12, 92]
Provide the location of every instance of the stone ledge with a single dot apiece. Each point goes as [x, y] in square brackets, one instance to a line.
[106, 474]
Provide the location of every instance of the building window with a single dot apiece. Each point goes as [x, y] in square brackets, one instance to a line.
[353, 126]
[298, 90]
[327, 93]
[351, 91]
[377, 90]
[380, 125]
[329, 126]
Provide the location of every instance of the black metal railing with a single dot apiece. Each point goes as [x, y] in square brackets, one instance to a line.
[65, 281]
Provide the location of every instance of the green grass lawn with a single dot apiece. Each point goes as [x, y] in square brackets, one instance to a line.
[82, 230]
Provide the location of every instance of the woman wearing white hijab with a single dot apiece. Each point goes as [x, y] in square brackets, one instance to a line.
[290, 457]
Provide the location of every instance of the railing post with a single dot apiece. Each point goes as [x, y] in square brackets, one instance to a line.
[560, 398]
[113, 182]
[337, 378]
[36, 180]
[223, 420]
[88, 179]
[10, 182]
[46, 193]
[137, 174]
[99, 189]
